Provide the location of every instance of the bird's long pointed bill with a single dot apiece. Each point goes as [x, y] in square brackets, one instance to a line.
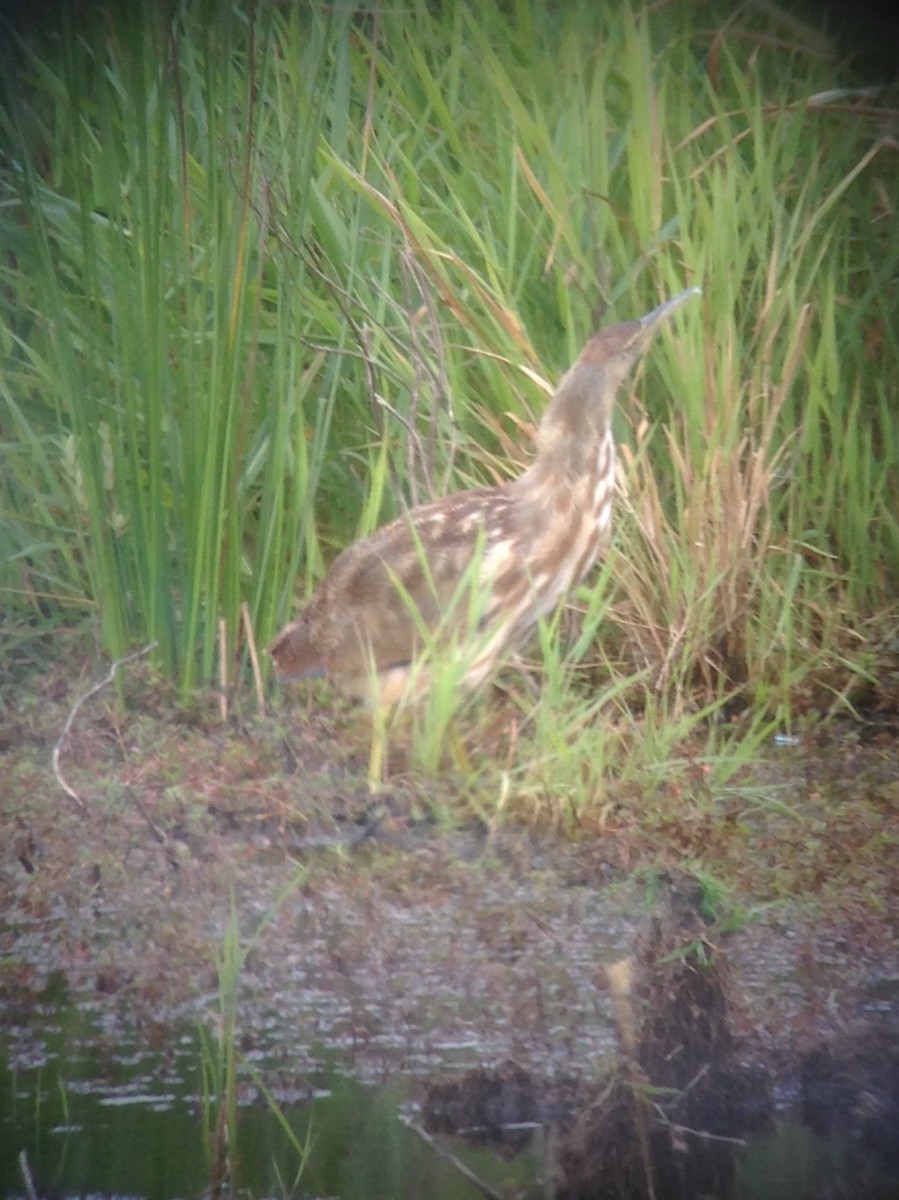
[665, 310]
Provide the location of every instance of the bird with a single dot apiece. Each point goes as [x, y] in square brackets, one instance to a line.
[468, 576]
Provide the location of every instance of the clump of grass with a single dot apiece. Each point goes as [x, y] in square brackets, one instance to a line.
[220, 1065]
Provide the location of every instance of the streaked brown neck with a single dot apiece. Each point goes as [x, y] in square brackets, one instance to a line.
[572, 430]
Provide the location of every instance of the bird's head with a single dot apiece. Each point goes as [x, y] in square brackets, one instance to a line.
[582, 405]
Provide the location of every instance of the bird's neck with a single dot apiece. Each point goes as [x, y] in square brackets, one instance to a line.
[570, 482]
[576, 424]
[563, 484]
[564, 516]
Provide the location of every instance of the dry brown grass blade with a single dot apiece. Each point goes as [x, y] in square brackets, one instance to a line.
[688, 573]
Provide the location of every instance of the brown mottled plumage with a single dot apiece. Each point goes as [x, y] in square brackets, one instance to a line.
[476, 569]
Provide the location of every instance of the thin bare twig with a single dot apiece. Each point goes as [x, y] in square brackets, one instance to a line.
[223, 671]
[435, 377]
[254, 655]
[160, 835]
[30, 1189]
[698, 1133]
[57, 749]
[455, 1162]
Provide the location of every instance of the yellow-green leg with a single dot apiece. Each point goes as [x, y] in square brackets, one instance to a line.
[377, 755]
[457, 749]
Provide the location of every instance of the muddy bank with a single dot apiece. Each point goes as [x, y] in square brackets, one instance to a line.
[388, 943]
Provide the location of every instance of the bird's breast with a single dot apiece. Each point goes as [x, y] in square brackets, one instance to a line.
[563, 526]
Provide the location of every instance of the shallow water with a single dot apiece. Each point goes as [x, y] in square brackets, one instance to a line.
[95, 1119]
[124, 1119]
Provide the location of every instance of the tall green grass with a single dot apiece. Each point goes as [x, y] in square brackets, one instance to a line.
[220, 1065]
[273, 272]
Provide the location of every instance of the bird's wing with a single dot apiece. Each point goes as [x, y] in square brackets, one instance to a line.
[423, 574]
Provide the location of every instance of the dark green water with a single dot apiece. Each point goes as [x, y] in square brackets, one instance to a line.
[127, 1121]
[99, 1118]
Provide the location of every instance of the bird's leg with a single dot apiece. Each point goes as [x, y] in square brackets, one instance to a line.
[458, 750]
[377, 755]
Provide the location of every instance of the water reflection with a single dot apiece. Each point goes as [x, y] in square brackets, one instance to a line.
[126, 1121]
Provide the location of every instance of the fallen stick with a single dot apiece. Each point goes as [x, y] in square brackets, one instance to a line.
[455, 1162]
[57, 749]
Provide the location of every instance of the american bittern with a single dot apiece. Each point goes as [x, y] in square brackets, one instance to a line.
[519, 547]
